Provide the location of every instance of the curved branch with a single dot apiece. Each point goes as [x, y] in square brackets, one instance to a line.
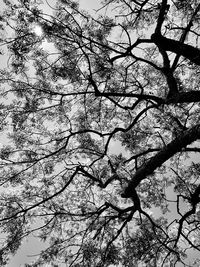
[166, 153]
[120, 129]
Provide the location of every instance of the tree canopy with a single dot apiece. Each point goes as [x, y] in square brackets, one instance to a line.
[100, 132]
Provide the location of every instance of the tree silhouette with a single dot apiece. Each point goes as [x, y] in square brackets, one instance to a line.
[100, 128]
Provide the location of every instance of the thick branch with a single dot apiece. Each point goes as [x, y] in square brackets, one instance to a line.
[185, 97]
[166, 153]
[163, 10]
[171, 81]
[183, 36]
[185, 50]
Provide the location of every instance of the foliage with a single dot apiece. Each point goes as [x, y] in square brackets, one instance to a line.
[100, 128]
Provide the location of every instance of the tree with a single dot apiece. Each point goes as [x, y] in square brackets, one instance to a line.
[101, 115]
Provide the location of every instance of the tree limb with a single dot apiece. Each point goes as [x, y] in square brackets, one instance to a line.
[185, 50]
[166, 153]
[163, 10]
[183, 36]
